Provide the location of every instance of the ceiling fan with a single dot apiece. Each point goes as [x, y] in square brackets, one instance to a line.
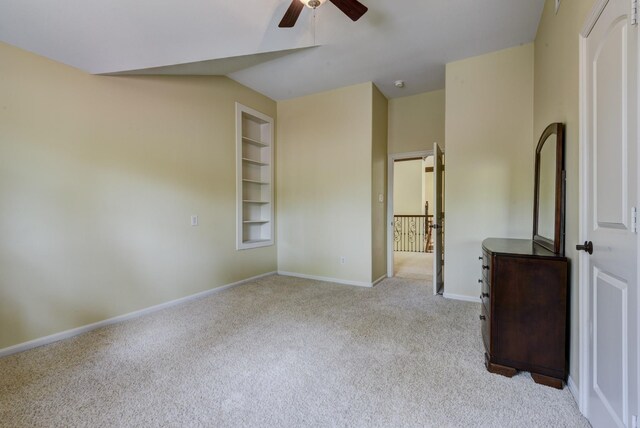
[352, 8]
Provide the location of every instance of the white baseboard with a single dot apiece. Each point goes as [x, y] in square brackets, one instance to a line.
[86, 328]
[461, 297]
[379, 280]
[325, 279]
[573, 388]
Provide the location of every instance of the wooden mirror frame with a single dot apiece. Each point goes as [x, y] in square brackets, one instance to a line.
[557, 243]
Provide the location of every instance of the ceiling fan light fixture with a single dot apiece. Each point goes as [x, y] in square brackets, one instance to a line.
[352, 8]
[312, 4]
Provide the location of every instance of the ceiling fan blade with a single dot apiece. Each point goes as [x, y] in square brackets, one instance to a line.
[291, 15]
[352, 8]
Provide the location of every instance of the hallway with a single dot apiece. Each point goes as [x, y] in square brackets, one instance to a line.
[413, 265]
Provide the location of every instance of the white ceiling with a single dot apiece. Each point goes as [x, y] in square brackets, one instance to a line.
[410, 40]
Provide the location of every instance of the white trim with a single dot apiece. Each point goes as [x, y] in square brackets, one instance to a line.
[326, 279]
[638, 234]
[598, 7]
[136, 314]
[392, 158]
[637, 338]
[573, 388]
[379, 280]
[407, 155]
[583, 262]
[461, 297]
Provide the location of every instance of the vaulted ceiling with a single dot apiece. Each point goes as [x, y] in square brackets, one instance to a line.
[411, 40]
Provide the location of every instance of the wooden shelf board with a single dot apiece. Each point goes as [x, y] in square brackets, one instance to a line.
[247, 201]
[254, 142]
[254, 181]
[256, 241]
[255, 221]
[254, 162]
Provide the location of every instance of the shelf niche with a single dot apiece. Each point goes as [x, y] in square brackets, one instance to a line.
[254, 173]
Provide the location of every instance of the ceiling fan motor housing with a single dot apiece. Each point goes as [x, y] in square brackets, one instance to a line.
[312, 3]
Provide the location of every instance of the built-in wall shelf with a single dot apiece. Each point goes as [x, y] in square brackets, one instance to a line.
[246, 180]
[254, 172]
[258, 241]
[254, 162]
[255, 142]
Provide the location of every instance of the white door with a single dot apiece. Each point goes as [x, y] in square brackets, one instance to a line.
[438, 215]
[610, 170]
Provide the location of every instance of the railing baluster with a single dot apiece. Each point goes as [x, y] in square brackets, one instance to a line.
[410, 233]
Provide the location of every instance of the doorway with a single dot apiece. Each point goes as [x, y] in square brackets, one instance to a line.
[411, 238]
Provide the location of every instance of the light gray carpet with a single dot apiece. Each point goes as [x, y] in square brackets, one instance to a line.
[413, 265]
[281, 352]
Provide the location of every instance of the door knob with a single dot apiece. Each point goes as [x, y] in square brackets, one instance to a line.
[588, 247]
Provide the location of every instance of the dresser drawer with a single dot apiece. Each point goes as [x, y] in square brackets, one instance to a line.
[486, 267]
[485, 327]
[485, 294]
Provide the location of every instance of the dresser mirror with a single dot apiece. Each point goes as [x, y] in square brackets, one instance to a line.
[548, 206]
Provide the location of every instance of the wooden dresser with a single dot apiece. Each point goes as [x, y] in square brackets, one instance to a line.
[524, 310]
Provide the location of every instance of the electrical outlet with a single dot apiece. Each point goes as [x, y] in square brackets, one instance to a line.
[380, 197]
[343, 260]
[194, 220]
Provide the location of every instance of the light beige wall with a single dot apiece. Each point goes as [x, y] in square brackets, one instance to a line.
[98, 179]
[379, 184]
[427, 188]
[489, 172]
[325, 184]
[556, 99]
[407, 187]
[416, 122]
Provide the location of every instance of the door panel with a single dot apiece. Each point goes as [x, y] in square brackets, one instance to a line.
[610, 65]
[610, 362]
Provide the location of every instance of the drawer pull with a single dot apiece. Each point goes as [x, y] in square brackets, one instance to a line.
[480, 258]
[484, 295]
[485, 267]
[479, 281]
[482, 318]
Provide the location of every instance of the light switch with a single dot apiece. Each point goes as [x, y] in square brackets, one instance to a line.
[194, 220]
